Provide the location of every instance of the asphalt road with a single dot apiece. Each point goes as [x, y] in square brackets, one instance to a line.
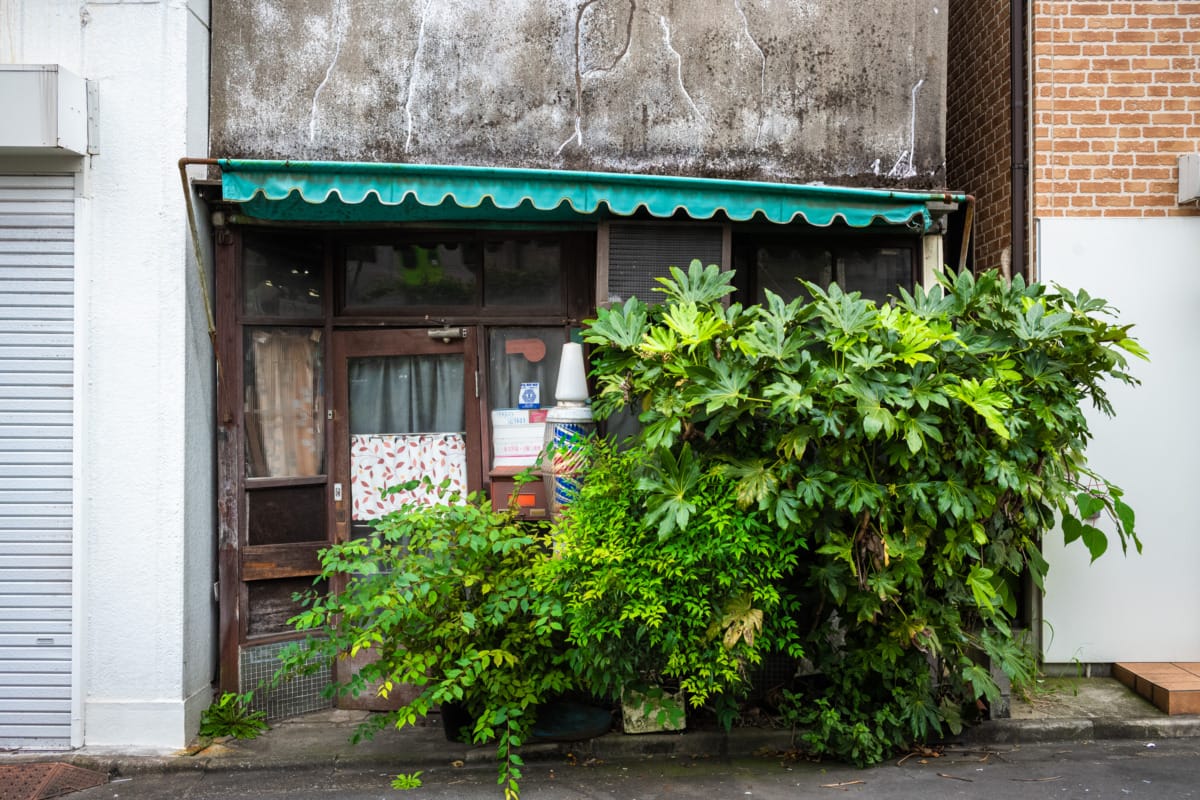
[1114, 769]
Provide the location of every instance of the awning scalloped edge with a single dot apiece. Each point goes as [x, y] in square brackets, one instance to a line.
[315, 189]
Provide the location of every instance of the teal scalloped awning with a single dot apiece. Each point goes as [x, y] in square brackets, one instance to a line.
[319, 191]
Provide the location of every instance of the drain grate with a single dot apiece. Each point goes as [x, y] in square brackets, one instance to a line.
[42, 781]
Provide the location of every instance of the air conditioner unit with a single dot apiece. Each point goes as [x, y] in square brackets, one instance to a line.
[1189, 177]
[631, 255]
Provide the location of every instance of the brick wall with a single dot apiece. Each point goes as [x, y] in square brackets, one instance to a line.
[1116, 100]
[978, 128]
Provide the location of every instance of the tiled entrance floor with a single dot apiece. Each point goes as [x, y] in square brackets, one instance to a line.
[1172, 686]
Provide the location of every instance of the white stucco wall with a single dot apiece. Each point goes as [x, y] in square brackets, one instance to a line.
[1136, 608]
[144, 540]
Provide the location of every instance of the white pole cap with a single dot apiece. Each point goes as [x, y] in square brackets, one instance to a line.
[572, 380]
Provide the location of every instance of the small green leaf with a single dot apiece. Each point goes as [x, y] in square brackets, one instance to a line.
[1089, 505]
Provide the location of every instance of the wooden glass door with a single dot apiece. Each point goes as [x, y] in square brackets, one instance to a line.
[405, 407]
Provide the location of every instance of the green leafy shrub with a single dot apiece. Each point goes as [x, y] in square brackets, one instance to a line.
[231, 715]
[907, 458]
[686, 608]
[444, 596]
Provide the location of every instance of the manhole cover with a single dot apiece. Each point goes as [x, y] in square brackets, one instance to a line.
[41, 781]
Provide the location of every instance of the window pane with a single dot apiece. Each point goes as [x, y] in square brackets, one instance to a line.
[407, 394]
[286, 514]
[523, 355]
[284, 403]
[525, 273]
[522, 371]
[875, 271]
[781, 268]
[282, 277]
[411, 275]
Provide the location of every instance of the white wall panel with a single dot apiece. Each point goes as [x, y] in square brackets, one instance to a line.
[1147, 607]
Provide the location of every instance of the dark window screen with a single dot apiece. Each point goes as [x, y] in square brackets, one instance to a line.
[637, 254]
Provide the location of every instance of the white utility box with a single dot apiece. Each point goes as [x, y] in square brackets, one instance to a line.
[1189, 177]
[45, 110]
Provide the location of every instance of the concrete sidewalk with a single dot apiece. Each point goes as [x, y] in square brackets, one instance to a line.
[1064, 709]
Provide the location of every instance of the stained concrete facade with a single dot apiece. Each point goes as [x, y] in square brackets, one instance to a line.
[792, 90]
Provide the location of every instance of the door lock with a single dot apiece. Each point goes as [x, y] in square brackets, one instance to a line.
[446, 334]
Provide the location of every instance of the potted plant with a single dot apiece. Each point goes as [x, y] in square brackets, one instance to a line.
[655, 618]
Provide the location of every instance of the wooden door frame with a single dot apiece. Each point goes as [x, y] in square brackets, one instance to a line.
[367, 343]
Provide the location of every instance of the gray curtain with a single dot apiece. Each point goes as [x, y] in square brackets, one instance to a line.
[407, 394]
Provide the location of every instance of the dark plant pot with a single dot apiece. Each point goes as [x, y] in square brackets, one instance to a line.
[558, 721]
[570, 721]
[457, 722]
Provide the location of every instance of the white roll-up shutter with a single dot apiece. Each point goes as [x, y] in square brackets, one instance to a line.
[37, 236]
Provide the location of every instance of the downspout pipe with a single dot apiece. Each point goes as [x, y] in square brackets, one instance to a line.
[1020, 165]
[968, 223]
[184, 163]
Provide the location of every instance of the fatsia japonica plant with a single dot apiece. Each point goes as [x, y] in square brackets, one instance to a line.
[910, 455]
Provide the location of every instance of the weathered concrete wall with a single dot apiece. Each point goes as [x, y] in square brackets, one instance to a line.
[804, 90]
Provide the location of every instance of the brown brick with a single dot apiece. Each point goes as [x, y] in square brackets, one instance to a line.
[1136, 146]
[1100, 187]
[1133, 36]
[1092, 36]
[1127, 91]
[1152, 159]
[1163, 132]
[1169, 50]
[1153, 8]
[1124, 77]
[1172, 118]
[1129, 118]
[1169, 146]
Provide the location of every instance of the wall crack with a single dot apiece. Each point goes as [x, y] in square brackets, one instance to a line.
[581, 73]
[412, 77]
[762, 75]
[341, 22]
[903, 168]
[662, 21]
